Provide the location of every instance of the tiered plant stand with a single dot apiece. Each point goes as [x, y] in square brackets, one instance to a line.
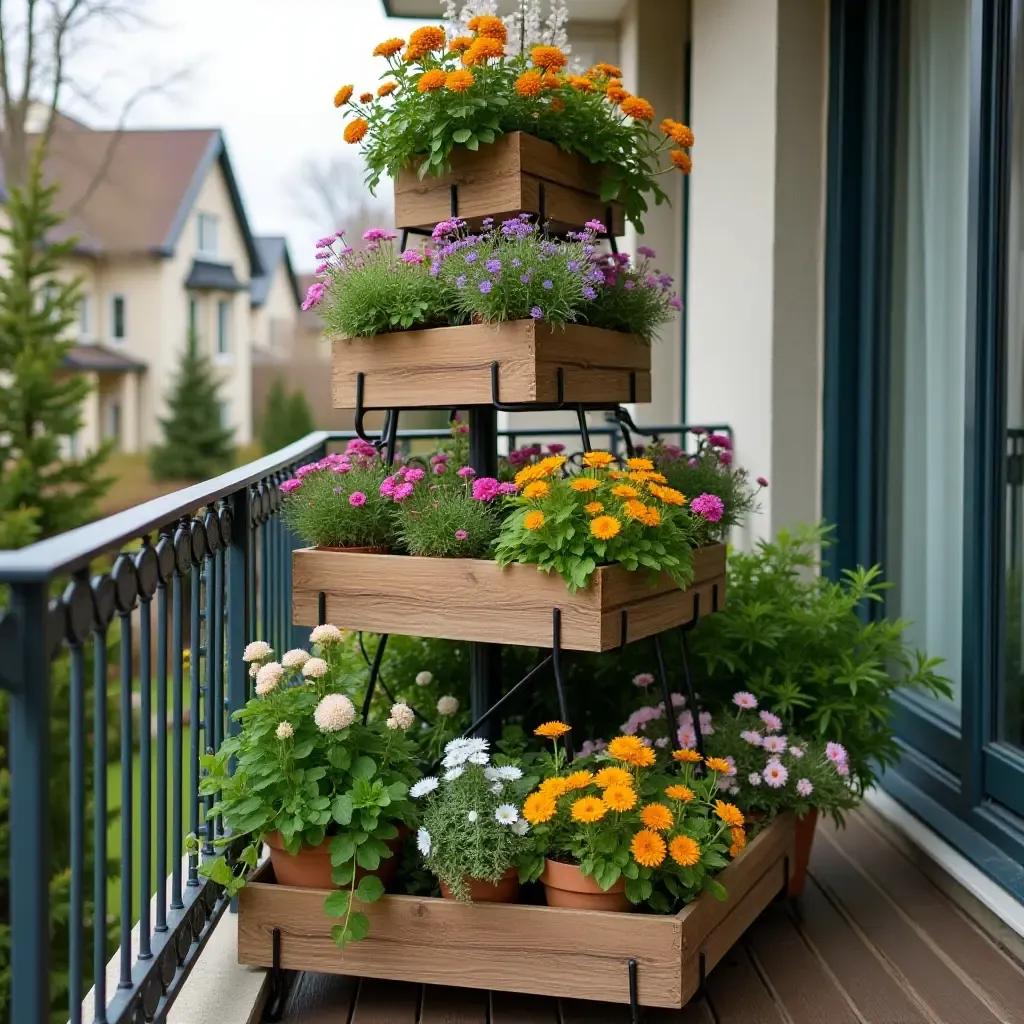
[639, 959]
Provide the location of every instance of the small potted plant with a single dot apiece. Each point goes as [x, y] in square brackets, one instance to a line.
[473, 836]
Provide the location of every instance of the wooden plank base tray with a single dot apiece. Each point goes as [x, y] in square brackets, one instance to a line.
[577, 954]
[476, 600]
[450, 367]
[507, 177]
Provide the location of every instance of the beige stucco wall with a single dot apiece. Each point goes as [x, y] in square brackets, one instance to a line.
[272, 325]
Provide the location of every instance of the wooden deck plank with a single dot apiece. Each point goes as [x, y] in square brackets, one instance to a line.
[387, 1002]
[696, 1011]
[443, 1005]
[321, 999]
[515, 1008]
[935, 983]
[988, 966]
[736, 994]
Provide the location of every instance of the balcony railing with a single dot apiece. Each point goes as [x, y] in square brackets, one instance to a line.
[170, 592]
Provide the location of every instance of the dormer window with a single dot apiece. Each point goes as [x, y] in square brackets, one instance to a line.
[207, 231]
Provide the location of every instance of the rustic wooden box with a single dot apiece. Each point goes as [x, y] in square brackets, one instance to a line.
[577, 954]
[505, 178]
[476, 600]
[450, 367]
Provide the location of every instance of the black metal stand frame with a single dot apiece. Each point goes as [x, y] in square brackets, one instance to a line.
[280, 984]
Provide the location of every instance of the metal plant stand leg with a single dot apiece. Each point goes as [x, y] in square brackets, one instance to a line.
[556, 663]
[280, 985]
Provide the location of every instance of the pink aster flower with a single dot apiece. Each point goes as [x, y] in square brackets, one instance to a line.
[357, 498]
[378, 235]
[687, 739]
[592, 747]
[643, 679]
[775, 774]
[466, 472]
[842, 768]
[836, 753]
[709, 506]
[772, 722]
[302, 471]
[804, 787]
[357, 446]
[796, 752]
[705, 723]
[774, 744]
[731, 761]
[752, 737]
[291, 485]
[719, 440]
[675, 302]
[744, 700]
[402, 491]
[439, 457]
[313, 295]
[461, 534]
[486, 488]
[725, 458]
[594, 225]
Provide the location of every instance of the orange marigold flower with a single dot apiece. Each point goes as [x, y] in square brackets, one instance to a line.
[489, 26]
[343, 95]
[432, 80]
[460, 44]
[550, 58]
[613, 775]
[553, 787]
[630, 749]
[459, 81]
[551, 80]
[657, 817]
[669, 495]
[533, 520]
[619, 798]
[584, 484]
[652, 517]
[388, 48]
[645, 477]
[679, 133]
[538, 489]
[739, 841]
[637, 108]
[589, 808]
[529, 83]
[355, 130]
[580, 83]
[552, 730]
[718, 764]
[598, 459]
[684, 851]
[616, 93]
[593, 508]
[538, 808]
[682, 160]
[648, 849]
[639, 464]
[729, 813]
[687, 756]
[428, 39]
[624, 491]
[634, 509]
[483, 49]
[605, 527]
[602, 70]
[387, 88]
[580, 779]
[681, 793]
[366, 97]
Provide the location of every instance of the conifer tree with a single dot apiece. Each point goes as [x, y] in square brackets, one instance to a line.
[286, 418]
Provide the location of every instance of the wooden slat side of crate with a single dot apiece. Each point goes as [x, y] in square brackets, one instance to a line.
[451, 366]
[476, 600]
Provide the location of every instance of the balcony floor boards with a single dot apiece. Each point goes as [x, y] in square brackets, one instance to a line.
[872, 941]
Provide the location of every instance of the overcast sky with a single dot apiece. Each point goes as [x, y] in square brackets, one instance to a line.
[264, 71]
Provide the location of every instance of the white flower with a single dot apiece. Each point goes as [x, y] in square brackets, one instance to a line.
[257, 651]
[521, 827]
[315, 668]
[254, 670]
[423, 842]
[497, 787]
[797, 752]
[478, 757]
[453, 773]
[754, 779]
[447, 706]
[459, 750]
[403, 716]
[472, 817]
[392, 723]
[507, 814]
[426, 785]
[334, 712]
[326, 635]
[295, 659]
[491, 774]
[268, 677]
[424, 678]
[285, 731]
[509, 772]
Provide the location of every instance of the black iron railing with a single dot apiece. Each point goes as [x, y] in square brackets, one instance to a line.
[170, 592]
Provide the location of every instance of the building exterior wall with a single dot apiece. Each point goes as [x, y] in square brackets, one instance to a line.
[273, 324]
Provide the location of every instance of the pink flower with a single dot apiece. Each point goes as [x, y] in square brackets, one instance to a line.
[661, 742]
[804, 787]
[508, 488]
[357, 446]
[462, 428]
[687, 738]
[643, 680]
[719, 440]
[709, 506]
[291, 485]
[675, 302]
[595, 225]
[752, 737]
[772, 722]
[461, 534]
[414, 474]
[836, 753]
[302, 471]
[440, 468]
[387, 487]
[314, 294]
[775, 774]
[774, 744]
[466, 472]
[357, 498]
[439, 457]
[744, 700]
[411, 256]
[646, 250]
[796, 752]
[725, 458]
[402, 491]
[378, 235]
[592, 747]
[762, 482]
[732, 764]
[326, 242]
[486, 488]
[754, 779]
[705, 723]
[842, 768]
[556, 448]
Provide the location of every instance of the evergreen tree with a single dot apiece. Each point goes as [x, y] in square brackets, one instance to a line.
[286, 418]
[196, 443]
[42, 490]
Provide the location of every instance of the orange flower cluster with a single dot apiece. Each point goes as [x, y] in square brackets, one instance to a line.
[343, 95]
[550, 58]
[484, 48]
[529, 83]
[387, 88]
[429, 39]
[460, 43]
[637, 108]
[459, 81]
[355, 131]
[489, 27]
[580, 83]
[432, 80]
[389, 47]
[366, 97]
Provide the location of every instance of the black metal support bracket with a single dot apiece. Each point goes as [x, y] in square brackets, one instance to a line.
[609, 229]
[584, 429]
[371, 684]
[390, 430]
[556, 663]
[702, 973]
[280, 984]
[691, 696]
[321, 609]
[501, 406]
[786, 877]
[634, 1001]
[382, 683]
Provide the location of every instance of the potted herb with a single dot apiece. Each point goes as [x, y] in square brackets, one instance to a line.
[473, 837]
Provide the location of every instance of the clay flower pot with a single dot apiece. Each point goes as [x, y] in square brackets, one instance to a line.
[310, 868]
[566, 886]
[482, 891]
[371, 549]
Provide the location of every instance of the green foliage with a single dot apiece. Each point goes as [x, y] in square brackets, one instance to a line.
[286, 417]
[441, 519]
[636, 299]
[42, 491]
[196, 445]
[811, 650]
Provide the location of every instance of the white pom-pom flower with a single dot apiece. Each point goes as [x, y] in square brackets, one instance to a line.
[285, 731]
[295, 659]
[334, 712]
[403, 716]
[424, 678]
[448, 706]
[472, 817]
[425, 785]
[315, 668]
[327, 634]
[521, 827]
[268, 677]
[257, 651]
[254, 670]
[509, 772]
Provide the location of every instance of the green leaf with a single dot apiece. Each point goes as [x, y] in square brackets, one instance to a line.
[461, 135]
[473, 143]
[609, 190]
[336, 904]
[364, 767]
[342, 849]
[341, 809]
[358, 927]
[370, 889]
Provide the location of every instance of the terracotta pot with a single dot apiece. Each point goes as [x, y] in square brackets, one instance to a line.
[310, 868]
[378, 549]
[802, 845]
[566, 886]
[482, 891]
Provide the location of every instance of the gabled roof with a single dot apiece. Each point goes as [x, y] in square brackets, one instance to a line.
[272, 249]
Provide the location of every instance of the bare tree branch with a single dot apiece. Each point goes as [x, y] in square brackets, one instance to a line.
[328, 192]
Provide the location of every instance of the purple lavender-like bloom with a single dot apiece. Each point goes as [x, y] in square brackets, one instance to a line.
[573, 266]
[493, 266]
[526, 278]
[589, 293]
[466, 472]
[646, 250]
[548, 285]
[472, 256]
[595, 226]
[460, 281]
[629, 285]
[412, 256]
[485, 287]
[487, 222]
[621, 258]
[665, 280]
[517, 262]
[525, 216]
[548, 248]
[485, 489]
[675, 302]
[709, 506]
[536, 312]
[461, 535]
[291, 485]
[339, 490]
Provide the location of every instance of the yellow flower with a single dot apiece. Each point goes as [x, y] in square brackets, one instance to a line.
[652, 517]
[617, 474]
[550, 464]
[538, 808]
[593, 508]
[637, 108]
[579, 780]
[643, 476]
[387, 88]
[625, 491]
[423, 41]
[648, 849]
[669, 495]
[483, 49]
[460, 43]
[550, 58]
[739, 841]
[589, 808]
[682, 160]
[684, 851]
[580, 83]
[632, 750]
[598, 460]
[616, 93]
[553, 787]
[527, 473]
[718, 764]
[602, 70]
[605, 527]
[681, 793]
[584, 484]
[729, 813]
[634, 509]
[529, 83]
[613, 775]
[688, 756]
[343, 95]
[620, 798]
[388, 48]
[355, 130]
[432, 80]
[533, 520]
[657, 817]
[552, 730]
[459, 81]
[538, 489]
[366, 97]
[639, 464]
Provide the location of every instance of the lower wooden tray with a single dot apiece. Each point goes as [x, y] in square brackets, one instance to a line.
[578, 954]
[476, 600]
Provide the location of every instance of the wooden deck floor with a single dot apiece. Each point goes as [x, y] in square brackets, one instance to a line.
[872, 941]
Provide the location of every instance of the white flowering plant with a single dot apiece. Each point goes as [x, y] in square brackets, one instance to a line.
[304, 765]
[472, 823]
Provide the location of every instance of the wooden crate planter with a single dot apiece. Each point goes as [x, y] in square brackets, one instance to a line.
[451, 366]
[476, 600]
[514, 174]
[576, 954]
